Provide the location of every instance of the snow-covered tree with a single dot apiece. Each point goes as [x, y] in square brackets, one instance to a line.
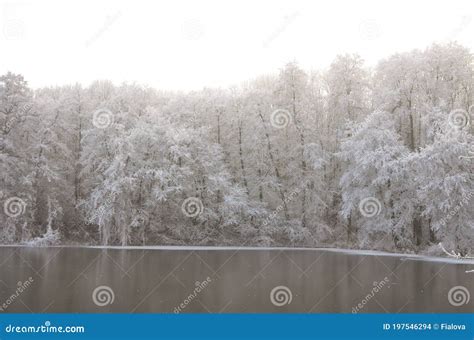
[341, 157]
[371, 185]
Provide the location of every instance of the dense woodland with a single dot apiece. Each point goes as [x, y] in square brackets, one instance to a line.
[349, 157]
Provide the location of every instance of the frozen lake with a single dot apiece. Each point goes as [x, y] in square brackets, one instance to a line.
[226, 280]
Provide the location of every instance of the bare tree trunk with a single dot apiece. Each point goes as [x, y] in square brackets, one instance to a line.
[417, 223]
[412, 133]
[77, 170]
[350, 231]
[275, 167]
[303, 163]
[417, 231]
[219, 112]
[242, 166]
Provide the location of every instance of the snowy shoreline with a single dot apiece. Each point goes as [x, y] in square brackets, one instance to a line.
[404, 257]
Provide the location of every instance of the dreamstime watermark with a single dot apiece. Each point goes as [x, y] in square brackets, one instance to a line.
[369, 29]
[290, 197]
[13, 23]
[452, 212]
[107, 205]
[192, 29]
[458, 296]
[192, 207]
[460, 118]
[13, 29]
[281, 295]
[280, 118]
[19, 117]
[103, 296]
[470, 153]
[376, 289]
[200, 286]
[287, 20]
[109, 20]
[14, 207]
[46, 328]
[102, 118]
[22, 286]
[370, 207]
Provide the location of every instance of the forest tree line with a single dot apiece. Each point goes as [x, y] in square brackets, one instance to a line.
[351, 156]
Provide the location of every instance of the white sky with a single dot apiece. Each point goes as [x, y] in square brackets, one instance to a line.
[191, 44]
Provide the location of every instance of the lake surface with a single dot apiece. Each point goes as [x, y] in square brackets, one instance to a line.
[226, 281]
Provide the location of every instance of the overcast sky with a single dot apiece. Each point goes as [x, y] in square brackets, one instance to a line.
[191, 44]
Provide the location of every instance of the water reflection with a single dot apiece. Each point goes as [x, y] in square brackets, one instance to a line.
[64, 280]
